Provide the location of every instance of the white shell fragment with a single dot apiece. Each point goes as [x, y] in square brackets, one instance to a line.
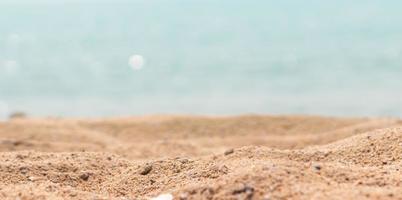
[163, 197]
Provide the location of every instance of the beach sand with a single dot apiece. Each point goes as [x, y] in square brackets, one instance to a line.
[194, 157]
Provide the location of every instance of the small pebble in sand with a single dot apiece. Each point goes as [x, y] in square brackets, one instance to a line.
[147, 168]
[23, 170]
[18, 143]
[84, 176]
[266, 197]
[163, 197]
[183, 160]
[229, 151]
[73, 194]
[243, 188]
[316, 167]
[183, 196]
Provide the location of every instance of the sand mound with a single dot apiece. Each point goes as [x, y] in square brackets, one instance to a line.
[376, 148]
[246, 157]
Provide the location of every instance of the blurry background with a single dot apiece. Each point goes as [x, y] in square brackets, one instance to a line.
[69, 58]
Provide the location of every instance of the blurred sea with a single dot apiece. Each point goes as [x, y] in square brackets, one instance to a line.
[69, 58]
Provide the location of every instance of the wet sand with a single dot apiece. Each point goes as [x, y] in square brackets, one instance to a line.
[194, 157]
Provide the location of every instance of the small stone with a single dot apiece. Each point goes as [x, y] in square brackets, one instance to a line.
[229, 151]
[23, 170]
[242, 188]
[146, 170]
[84, 176]
[317, 167]
[163, 197]
[359, 183]
[183, 196]
[223, 169]
[73, 194]
[184, 160]
[207, 192]
[244, 191]
[266, 197]
[50, 188]
[17, 143]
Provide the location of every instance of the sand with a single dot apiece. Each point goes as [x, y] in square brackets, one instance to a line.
[193, 157]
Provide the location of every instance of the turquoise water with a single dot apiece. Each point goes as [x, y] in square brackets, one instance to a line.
[69, 58]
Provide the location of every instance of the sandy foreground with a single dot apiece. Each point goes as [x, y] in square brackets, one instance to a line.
[190, 157]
